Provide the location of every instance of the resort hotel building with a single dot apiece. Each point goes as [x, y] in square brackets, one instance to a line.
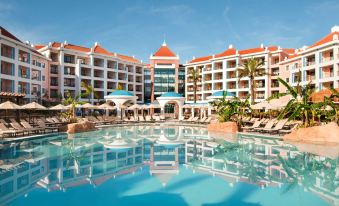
[23, 70]
[163, 74]
[103, 70]
[316, 64]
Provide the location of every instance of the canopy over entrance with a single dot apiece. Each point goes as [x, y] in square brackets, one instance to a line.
[171, 97]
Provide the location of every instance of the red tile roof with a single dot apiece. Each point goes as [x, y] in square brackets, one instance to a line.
[6, 33]
[164, 51]
[251, 50]
[325, 40]
[201, 59]
[128, 58]
[101, 50]
[97, 49]
[39, 46]
[77, 48]
[228, 52]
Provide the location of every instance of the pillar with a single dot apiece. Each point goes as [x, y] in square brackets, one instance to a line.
[180, 112]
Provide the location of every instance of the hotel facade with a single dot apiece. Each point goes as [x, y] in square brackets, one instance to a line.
[23, 69]
[72, 64]
[317, 64]
[163, 74]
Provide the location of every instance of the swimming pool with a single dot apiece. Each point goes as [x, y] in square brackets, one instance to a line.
[163, 165]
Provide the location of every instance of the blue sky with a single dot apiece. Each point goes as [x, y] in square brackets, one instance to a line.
[192, 28]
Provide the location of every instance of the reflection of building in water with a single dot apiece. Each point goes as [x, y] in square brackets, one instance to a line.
[261, 161]
[58, 164]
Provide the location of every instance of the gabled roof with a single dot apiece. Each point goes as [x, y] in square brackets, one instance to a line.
[228, 52]
[6, 33]
[96, 49]
[128, 58]
[326, 39]
[164, 51]
[76, 47]
[101, 50]
[201, 59]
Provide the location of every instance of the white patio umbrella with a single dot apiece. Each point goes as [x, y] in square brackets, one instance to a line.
[262, 105]
[280, 102]
[9, 106]
[88, 106]
[33, 106]
[58, 107]
[106, 106]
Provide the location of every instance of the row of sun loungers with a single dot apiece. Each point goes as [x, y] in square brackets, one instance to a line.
[271, 126]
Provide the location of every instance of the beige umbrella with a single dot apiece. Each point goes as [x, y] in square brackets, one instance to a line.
[58, 107]
[88, 106]
[76, 106]
[9, 106]
[33, 106]
[106, 106]
[280, 102]
[262, 105]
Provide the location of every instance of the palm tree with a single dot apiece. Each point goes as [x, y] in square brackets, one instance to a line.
[89, 90]
[251, 68]
[195, 77]
[119, 87]
[300, 105]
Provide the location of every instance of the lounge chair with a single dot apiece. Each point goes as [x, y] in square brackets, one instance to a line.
[162, 118]
[26, 125]
[42, 124]
[255, 125]
[157, 118]
[17, 126]
[208, 120]
[287, 131]
[189, 119]
[141, 119]
[277, 127]
[195, 119]
[181, 119]
[269, 124]
[9, 132]
[148, 118]
[202, 120]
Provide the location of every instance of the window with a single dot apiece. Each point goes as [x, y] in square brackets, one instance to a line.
[287, 68]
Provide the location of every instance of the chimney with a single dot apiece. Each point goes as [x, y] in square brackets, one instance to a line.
[193, 57]
[65, 42]
[213, 56]
[96, 43]
[133, 57]
[279, 48]
[27, 42]
[335, 37]
[335, 28]
[49, 44]
[304, 47]
[261, 45]
[236, 52]
[92, 50]
[230, 46]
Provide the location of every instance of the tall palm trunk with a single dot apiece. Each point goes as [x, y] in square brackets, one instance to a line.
[252, 90]
[195, 90]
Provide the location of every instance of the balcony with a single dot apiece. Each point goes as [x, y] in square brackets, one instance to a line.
[7, 85]
[69, 82]
[54, 57]
[98, 74]
[54, 82]
[310, 77]
[7, 68]
[24, 56]
[69, 71]
[54, 69]
[98, 62]
[7, 51]
[24, 72]
[111, 64]
[70, 59]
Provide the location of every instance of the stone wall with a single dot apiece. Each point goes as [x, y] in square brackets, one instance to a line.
[224, 127]
[80, 127]
[328, 133]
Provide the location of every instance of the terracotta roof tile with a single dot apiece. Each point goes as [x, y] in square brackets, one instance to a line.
[164, 51]
[128, 58]
[39, 46]
[6, 33]
[251, 50]
[100, 50]
[76, 47]
[201, 59]
[325, 40]
[228, 52]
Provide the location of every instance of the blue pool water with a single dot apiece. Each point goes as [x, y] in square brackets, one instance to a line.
[163, 165]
